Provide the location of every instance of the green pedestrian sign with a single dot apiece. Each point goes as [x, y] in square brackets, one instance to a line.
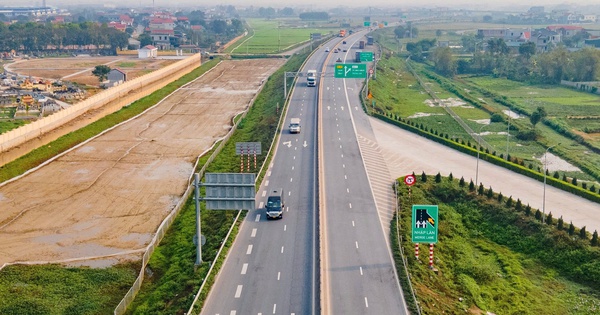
[366, 56]
[425, 224]
[367, 23]
[350, 71]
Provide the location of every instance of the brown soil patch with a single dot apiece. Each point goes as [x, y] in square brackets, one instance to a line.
[79, 69]
[110, 194]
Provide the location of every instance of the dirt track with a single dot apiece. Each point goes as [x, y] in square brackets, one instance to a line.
[110, 194]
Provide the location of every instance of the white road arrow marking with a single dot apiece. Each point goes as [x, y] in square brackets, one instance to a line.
[328, 107]
[288, 143]
[304, 145]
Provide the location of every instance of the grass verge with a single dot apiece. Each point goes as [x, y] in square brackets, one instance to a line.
[495, 255]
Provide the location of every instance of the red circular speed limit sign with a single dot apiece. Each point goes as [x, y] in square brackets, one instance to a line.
[410, 180]
[370, 71]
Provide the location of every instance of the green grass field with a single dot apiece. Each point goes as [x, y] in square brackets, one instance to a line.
[274, 36]
[493, 257]
[53, 289]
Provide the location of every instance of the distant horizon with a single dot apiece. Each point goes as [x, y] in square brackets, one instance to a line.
[320, 5]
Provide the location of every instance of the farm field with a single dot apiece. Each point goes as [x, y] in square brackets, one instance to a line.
[275, 36]
[79, 69]
[397, 91]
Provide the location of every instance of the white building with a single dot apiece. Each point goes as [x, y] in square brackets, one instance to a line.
[147, 51]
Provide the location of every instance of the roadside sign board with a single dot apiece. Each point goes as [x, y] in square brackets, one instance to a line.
[425, 224]
[366, 56]
[410, 180]
[229, 191]
[350, 71]
[367, 23]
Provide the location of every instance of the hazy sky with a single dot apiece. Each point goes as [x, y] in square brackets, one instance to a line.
[314, 3]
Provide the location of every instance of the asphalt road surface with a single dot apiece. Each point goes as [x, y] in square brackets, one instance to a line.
[272, 266]
[359, 274]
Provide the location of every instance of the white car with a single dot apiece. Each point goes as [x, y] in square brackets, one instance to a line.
[326, 49]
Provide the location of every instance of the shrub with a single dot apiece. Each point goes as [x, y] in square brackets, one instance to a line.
[438, 177]
[556, 175]
[574, 181]
[450, 177]
[500, 196]
[594, 241]
[538, 214]
[480, 190]
[561, 224]
[496, 118]
[549, 220]
[461, 183]
[519, 205]
[528, 210]
[423, 177]
[583, 233]
[571, 228]
[471, 186]
[509, 201]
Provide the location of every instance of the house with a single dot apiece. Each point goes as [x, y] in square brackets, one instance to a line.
[162, 38]
[118, 26]
[126, 19]
[545, 39]
[147, 51]
[566, 30]
[116, 76]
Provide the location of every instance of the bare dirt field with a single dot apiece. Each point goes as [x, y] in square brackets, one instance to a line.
[109, 195]
[79, 69]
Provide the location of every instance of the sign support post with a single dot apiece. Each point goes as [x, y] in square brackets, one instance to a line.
[198, 223]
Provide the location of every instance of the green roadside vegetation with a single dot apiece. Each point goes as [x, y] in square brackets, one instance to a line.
[483, 103]
[172, 280]
[54, 289]
[126, 64]
[42, 154]
[495, 255]
[274, 36]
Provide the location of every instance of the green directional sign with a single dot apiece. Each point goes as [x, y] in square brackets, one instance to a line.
[350, 71]
[385, 23]
[367, 23]
[425, 224]
[366, 56]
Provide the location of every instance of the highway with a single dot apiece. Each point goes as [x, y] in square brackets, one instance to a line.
[272, 267]
[359, 276]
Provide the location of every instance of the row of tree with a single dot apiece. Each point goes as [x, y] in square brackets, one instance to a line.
[523, 65]
[34, 37]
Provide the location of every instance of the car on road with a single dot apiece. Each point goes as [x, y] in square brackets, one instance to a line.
[344, 42]
[345, 50]
[275, 205]
[338, 60]
[335, 50]
[326, 49]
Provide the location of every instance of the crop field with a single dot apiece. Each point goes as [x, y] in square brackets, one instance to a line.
[396, 91]
[274, 36]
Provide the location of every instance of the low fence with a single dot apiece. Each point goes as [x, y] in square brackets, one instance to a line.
[35, 129]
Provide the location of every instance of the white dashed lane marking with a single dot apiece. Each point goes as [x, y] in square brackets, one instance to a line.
[244, 268]
[238, 291]
[249, 250]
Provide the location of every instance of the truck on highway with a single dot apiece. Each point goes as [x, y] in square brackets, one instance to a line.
[295, 125]
[357, 56]
[275, 205]
[361, 44]
[369, 40]
[311, 78]
[342, 33]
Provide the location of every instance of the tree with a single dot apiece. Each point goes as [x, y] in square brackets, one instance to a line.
[145, 40]
[571, 228]
[583, 233]
[561, 223]
[218, 26]
[461, 183]
[480, 190]
[537, 115]
[444, 61]
[438, 33]
[287, 11]
[101, 72]
[471, 186]
[594, 241]
[423, 177]
[527, 49]
[549, 218]
[438, 177]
